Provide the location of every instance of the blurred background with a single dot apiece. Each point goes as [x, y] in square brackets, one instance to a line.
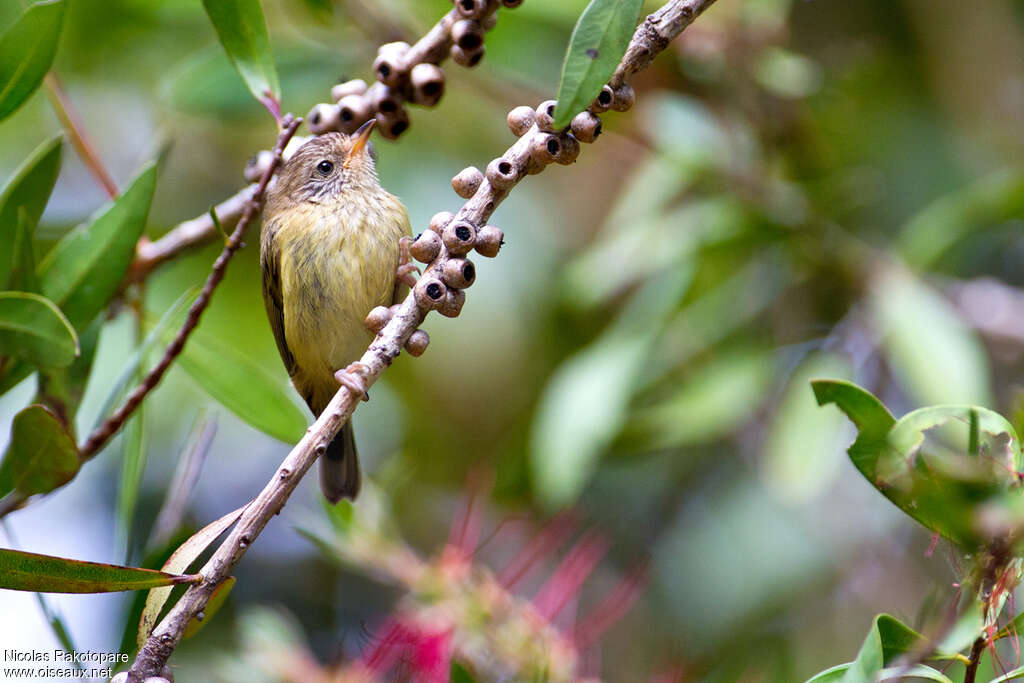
[804, 189]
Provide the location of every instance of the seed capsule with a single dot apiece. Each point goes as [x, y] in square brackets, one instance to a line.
[426, 247]
[570, 149]
[257, 165]
[353, 111]
[452, 305]
[417, 343]
[586, 126]
[467, 181]
[384, 99]
[429, 292]
[458, 237]
[501, 173]
[458, 272]
[440, 219]
[467, 34]
[603, 101]
[393, 124]
[511, 4]
[323, 118]
[489, 240]
[490, 21]
[467, 58]
[377, 319]
[625, 97]
[356, 86]
[427, 84]
[544, 148]
[546, 116]
[471, 9]
[520, 120]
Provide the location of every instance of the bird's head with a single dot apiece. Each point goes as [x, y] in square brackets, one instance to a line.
[328, 165]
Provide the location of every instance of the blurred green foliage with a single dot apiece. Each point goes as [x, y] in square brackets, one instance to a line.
[798, 190]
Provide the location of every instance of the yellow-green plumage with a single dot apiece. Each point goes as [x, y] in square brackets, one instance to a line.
[329, 251]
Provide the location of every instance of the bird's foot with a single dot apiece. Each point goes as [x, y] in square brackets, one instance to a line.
[405, 265]
[353, 378]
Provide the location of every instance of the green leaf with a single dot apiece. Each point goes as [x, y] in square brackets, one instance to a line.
[598, 42]
[41, 455]
[26, 53]
[33, 328]
[23, 275]
[85, 269]
[21, 571]
[243, 33]
[922, 463]
[993, 199]
[133, 465]
[887, 639]
[1014, 675]
[242, 386]
[459, 673]
[179, 561]
[899, 673]
[26, 193]
[934, 354]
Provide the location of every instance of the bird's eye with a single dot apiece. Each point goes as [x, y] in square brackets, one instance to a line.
[325, 167]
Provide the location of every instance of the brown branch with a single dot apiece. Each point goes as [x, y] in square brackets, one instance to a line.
[102, 434]
[72, 124]
[404, 321]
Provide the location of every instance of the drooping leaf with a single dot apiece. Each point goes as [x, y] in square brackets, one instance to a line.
[26, 52]
[263, 402]
[179, 561]
[598, 42]
[217, 598]
[23, 273]
[896, 673]
[25, 196]
[242, 31]
[932, 231]
[41, 455]
[133, 464]
[85, 269]
[33, 328]
[802, 452]
[23, 571]
[933, 352]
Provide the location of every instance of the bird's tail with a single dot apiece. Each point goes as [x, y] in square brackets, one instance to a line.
[339, 467]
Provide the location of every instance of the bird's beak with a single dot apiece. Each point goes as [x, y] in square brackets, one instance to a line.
[360, 138]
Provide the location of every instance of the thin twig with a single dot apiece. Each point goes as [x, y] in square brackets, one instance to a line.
[974, 660]
[664, 25]
[72, 124]
[104, 432]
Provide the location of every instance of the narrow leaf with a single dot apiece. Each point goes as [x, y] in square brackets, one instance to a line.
[217, 598]
[26, 53]
[597, 44]
[242, 386]
[23, 275]
[84, 270]
[33, 328]
[133, 464]
[179, 561]
[41, 455]
[21, 571]
[27, 191]
[243, 33]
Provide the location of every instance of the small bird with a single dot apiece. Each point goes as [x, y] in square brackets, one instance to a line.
[334, 245]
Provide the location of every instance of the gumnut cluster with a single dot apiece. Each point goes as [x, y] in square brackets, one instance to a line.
[409, 73]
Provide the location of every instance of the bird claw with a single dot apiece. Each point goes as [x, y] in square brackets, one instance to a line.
[405, 265]
[353, 378]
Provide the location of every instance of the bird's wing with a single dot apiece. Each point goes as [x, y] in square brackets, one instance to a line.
[405, 230]
[271, 265]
